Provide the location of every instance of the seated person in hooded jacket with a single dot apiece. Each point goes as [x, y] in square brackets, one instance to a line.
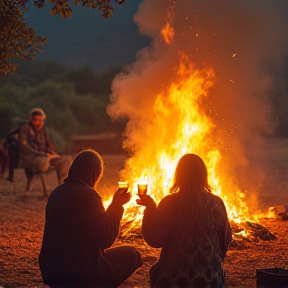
[37, 151]
[78, 231]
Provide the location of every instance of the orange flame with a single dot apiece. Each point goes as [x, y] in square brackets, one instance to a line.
[167, 32]
[179, 124]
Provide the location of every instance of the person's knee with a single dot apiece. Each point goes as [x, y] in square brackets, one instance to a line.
[67, 159]
[44, 165]
[39, 164]
[129, 253]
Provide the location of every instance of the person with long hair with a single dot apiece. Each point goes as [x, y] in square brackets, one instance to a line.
[79, 232]
[192, 228]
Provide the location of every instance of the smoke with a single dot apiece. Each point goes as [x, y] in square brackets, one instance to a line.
[242, 41]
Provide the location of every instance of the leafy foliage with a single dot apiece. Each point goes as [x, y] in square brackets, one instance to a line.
[62, 7]
[70, 110]
[19, 41]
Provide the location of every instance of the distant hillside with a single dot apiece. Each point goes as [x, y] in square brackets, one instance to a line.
[87, 38]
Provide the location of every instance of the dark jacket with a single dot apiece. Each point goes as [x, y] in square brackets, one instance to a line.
[77, 230]
[192, 249]
[34, 142]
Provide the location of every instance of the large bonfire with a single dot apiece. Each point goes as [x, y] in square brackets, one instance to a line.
[179, 125]
[168, 99]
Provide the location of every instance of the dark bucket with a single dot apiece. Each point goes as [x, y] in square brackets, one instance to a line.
[272, 278]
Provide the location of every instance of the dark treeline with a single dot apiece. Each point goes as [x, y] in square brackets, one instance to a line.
[74, 100]
[279, 96]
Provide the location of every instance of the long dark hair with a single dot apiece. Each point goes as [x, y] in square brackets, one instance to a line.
[191, 180]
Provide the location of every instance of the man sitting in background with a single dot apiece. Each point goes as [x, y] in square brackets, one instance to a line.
[37, 151]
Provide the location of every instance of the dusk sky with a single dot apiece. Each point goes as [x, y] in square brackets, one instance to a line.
[86, 38]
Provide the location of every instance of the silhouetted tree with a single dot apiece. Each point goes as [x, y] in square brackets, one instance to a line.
[19, 41]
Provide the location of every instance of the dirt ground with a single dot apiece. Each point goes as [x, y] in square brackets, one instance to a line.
[22, 222]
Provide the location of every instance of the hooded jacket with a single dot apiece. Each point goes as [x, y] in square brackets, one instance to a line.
[77, 228]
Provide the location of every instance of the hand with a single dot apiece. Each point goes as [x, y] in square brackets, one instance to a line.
[146, 201]
[122, 196]
[53, 156]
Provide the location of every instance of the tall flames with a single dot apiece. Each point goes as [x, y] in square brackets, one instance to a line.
[179, 125]
[177, 122]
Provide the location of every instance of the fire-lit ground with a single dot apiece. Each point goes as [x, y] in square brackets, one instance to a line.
[22, 221]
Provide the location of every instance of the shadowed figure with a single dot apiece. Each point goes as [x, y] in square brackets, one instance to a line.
[78, 231]
[3, 158]
[37, 151]
[191, 227]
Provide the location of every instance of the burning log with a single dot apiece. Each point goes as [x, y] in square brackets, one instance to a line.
[245, 233]
[279, 212]
[130, 232]
[253, 231]
[259, 231]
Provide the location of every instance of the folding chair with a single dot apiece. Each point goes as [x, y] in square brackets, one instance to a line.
[29, 175]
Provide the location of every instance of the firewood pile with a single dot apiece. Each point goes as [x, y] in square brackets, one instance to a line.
[279, 212]
[131, 232]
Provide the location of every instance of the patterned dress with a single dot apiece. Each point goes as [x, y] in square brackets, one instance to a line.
[192, 249]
